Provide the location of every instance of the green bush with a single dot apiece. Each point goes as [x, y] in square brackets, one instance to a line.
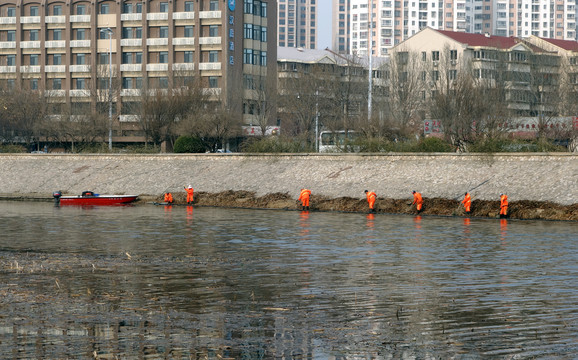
[433, 144]
[12, 149]
[517, 145]
[189, 144]
[275, 144]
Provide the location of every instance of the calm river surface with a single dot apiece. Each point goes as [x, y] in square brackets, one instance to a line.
[148, 282]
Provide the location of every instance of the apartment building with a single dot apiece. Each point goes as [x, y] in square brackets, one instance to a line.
[529, 71]
[340, 38]
[64, 48]
[297, 23]
[397, 20]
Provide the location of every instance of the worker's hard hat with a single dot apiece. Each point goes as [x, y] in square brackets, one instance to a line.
[413, 192]
[190, 187]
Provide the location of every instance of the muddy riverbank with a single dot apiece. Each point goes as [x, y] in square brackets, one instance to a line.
[525, 209]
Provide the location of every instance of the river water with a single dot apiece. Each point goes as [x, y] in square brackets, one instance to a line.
[148, 282]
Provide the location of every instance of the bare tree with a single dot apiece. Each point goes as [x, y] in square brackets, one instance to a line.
[22, 113]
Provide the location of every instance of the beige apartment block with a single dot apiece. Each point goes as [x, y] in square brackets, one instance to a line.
[297, 23]
[529, 70]
[67, 50]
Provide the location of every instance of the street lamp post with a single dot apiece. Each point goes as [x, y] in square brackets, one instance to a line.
[110, 32]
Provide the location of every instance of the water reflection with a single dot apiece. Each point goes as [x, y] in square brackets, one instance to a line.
[164, 283]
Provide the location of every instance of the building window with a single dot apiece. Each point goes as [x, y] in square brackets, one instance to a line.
[189, 31]
[248, 31]
[164, 32]
[11, 60]
[214, 5]
[248, 7]
[138, 33]
[80, 83]
[127, 8]
[263, 58]
[263, 34]
[103, 58]
[247, 56]
[34, 11]
[213, 82]
[11, 12]
[56, 84]
[188, 57]
[127, 83]
[453, 54]
[80, 34]
[213, 30]
[34, 59]
[126, 33]
[80, 9]
[57, 10]
[189, 6]
[57, 34]
[33, 35]
[104, 9]
[80, 59]
[163, 57]
[213, 56]
[127, 58]
[435, 56]
[164, 7]
[138, 58]
[163, 83]
[56, 59]
[11, 35]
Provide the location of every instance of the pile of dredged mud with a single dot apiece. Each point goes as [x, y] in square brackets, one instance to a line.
[523, 209]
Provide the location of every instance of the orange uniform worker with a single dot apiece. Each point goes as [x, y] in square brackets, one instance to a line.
[304, 198]
[371, 196]
[503, 205]
[417, 200]
[168, 198]
[467, 202]
[190, 192]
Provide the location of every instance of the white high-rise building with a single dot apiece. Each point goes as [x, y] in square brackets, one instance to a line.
[396, 20]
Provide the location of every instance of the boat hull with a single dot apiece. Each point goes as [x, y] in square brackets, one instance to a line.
[97, 200]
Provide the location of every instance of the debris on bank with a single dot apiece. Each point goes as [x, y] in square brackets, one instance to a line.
[523, 209]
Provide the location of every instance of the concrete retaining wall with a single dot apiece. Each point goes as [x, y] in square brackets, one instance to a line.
[542, 177]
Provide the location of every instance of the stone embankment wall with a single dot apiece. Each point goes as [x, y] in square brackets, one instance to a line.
[538, 177]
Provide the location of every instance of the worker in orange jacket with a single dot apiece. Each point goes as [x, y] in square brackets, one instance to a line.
[190, 192]
[304, 198]
[168, 198]
[467, 202]
[503, 205]
[371, 196]
[417, 200]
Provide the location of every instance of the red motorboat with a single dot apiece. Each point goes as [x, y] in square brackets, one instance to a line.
[90, 198]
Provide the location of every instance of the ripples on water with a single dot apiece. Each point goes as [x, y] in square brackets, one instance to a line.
[153, 282]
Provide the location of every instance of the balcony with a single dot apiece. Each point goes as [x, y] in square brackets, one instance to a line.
[131, 42]
[55, 44]
[80, 68]
[30, 44]
[157, 16]
[183, 41]
[30, 20]
[7, 44]
[55, 19]
[157, 67]
[210, 66]
[80, 43]
[7, 69]
[130, 92]
[55, 68]
[131, 17]
[79, 93]
[55, 93]
[213, 40]
[184, 67]
[79, 18]
[158, 42]
[30, 68]
[128, 118]
[209, 14]
[7, 20]
[130, 67]
[184, 15]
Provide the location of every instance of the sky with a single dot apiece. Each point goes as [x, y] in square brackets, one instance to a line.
[324, 24]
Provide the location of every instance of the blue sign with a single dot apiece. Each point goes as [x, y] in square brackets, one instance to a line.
[232, 5]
